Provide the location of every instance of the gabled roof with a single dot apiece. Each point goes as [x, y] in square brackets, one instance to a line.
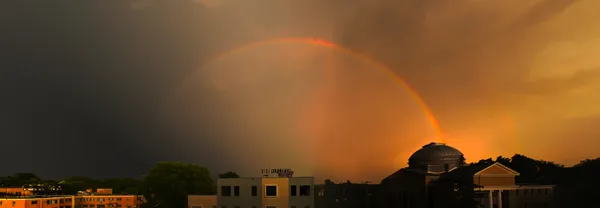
[501, 167]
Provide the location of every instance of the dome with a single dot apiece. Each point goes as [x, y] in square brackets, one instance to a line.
[435, 154]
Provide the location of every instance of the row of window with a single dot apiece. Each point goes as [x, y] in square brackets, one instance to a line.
[100, 199]
[532, 191]
[270, 190]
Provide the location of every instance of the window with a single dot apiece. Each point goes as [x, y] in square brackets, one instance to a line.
[91, 206]
[293, 190]
[446, 167]
[236, 191]
[304, 190]
[14, 203]
[254, 191]
[270, 191]
[225, 190]
[34, 202]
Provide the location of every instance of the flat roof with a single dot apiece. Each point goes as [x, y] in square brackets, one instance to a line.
[263, 177]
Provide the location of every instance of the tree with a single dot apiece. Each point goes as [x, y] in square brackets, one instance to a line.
[462, 161]
[167, 184]
[75, 184]
[229, 174]
[528, 168]
[503, 160]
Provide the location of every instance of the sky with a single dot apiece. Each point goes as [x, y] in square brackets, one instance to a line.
[108, 88]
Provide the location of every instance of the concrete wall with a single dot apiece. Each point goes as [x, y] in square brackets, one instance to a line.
[202, 201]
[302, 201]
[245, 199]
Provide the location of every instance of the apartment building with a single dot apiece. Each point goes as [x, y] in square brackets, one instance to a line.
[265, 192]
[100, 201]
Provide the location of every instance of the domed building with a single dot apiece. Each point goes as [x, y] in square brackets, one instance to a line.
[410, 187]
[437, 177]
[435, 158]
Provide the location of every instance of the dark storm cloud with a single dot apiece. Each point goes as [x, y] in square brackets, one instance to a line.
[83, 81]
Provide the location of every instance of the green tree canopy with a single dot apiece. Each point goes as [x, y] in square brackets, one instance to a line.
[169, 183]
[229, 174]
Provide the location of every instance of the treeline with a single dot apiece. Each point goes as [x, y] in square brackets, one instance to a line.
[166, 185]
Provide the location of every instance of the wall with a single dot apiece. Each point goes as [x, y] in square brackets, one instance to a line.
[203, 201]
[532, 196]
[303, 201]
[494, 180]
[245, 198]
[283, 192]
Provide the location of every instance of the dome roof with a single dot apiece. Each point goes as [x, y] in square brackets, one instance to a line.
[435, 153]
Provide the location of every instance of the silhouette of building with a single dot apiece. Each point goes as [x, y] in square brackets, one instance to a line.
[436, 177]
[346, 195]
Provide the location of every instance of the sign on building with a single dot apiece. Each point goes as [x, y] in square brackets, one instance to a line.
[282, 173]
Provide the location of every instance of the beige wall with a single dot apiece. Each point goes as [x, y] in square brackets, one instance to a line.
[245, 199]
[204, 201]
[282, 200]
[283, 192]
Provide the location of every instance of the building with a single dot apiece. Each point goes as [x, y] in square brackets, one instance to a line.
[436, 177]
[278, 191]
[346, 195]
[100, 201]
[267, 192]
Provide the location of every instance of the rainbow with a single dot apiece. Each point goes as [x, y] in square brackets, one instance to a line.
[319, 42]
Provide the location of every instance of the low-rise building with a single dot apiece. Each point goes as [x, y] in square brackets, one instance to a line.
[279, 191]
[269, 192]
[92, 201]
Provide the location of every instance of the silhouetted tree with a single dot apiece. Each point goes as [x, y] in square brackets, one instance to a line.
[229, 174]
[503, 160]
[462, 161]
[527, 168]
[168, 184]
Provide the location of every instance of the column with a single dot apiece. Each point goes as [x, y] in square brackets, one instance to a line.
[491, 199]
[499, 198]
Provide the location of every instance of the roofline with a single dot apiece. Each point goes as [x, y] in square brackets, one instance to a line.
[264, 177]
[501, 166]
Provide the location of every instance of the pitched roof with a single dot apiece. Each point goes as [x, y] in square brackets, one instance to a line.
[503, 167]
[473, 169]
